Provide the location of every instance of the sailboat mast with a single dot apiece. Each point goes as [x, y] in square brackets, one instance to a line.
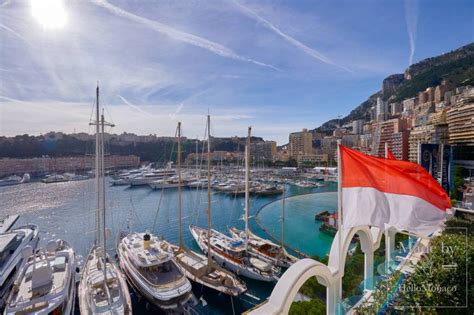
[102, 174]
[247, 188]
[283, 219]
[209, 256]
[97, 166]
[180, 232]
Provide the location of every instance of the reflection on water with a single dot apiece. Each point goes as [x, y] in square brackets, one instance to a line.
[301, 229]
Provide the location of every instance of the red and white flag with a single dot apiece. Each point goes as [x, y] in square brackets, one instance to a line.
[390, 155]
[376, 191]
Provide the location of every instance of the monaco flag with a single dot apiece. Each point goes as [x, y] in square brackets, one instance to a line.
[376, 191]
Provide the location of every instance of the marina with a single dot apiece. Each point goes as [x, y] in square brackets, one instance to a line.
[65, 210]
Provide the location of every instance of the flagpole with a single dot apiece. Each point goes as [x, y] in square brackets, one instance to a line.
[339, 220]
[388, 237]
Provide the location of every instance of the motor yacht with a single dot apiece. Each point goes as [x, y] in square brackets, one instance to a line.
[46, 282]
[154, 273]
[12, 244]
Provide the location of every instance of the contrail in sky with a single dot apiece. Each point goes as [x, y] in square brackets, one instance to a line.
[135, 107]
[180, 35]
[411, 17]
[13, 32]
[308, 50]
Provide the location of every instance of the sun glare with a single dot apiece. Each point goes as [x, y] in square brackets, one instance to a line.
[51, 14]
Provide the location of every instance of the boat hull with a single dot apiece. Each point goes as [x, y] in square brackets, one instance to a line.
[237, 268]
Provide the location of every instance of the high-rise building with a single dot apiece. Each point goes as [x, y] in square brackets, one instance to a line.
[460, 120]
[357, 126]
[301, 143]
[437, 134]
[381, 110]
[410, 104]
[394, 132]
[263, 150]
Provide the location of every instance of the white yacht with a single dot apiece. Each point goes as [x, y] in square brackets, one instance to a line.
[15, 180]
[265, 249]
[151, 176]
[75, 177]
[231, 254]
[46, 282]
[55, 178]
[102, 287]
[12, 244]
[154, 273]
[167, 183]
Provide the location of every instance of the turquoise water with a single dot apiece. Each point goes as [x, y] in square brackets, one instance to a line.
[301, 229]
[67, 210]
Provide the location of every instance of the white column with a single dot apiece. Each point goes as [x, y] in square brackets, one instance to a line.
[331, 300]
[389, 246]
[369, 270]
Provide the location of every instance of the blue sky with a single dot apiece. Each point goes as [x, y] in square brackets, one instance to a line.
[276, 65]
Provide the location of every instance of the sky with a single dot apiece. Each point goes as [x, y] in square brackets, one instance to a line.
[278, 66]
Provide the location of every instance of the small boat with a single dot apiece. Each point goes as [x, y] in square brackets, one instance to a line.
[75, 177]
[12, 245]
[119, 182]
[232, 255]
[46, 282]
[55, 178]
[265, 249]
[154, 273]
[15, 180]
[267, 190]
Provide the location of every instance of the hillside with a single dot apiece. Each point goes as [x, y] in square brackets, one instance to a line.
[457, 67]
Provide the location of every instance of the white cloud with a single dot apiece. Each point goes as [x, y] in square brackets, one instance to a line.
[411, 17]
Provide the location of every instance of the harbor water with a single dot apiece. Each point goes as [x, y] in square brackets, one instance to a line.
[67, 210]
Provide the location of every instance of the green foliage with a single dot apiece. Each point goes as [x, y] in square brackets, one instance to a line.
[432, 284]
[457, 72]
[353, 273]
[315, 307]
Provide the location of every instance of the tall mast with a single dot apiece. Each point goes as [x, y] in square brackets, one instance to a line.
[197, 159]
[283, 219]
[247, 188]
[102, 175]
[209, 256]
[97, 166]
[179, 189]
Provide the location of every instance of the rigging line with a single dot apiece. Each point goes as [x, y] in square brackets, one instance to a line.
[157, 210]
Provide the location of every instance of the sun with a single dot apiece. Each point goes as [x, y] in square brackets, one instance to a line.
[51, 14]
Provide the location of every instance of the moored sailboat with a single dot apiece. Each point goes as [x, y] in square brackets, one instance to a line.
[197, 267]
[232, 254]
[102, 288]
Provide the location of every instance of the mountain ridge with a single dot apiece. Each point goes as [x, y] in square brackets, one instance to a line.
[456, 66]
